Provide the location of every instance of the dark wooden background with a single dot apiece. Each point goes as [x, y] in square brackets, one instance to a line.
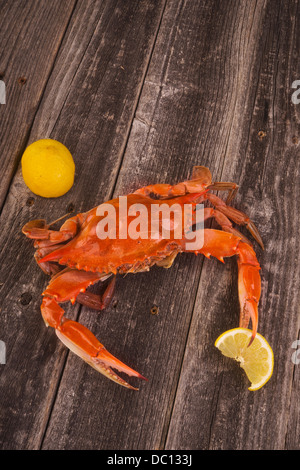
[140, 91]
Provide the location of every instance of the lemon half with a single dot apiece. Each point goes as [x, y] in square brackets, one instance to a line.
[257, 360]
[48, 168]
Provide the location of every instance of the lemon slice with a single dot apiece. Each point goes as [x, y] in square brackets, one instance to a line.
[48, 168]
[257, 360]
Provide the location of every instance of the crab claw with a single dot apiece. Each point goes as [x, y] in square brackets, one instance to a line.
[36, 229]
[82, 342]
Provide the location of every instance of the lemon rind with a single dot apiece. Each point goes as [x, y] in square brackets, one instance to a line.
[233, 331]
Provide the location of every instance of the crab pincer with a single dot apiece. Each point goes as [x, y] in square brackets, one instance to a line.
[66, 286]
[81, 341]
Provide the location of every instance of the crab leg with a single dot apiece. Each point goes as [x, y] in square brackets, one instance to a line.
[39, 230]
[235, 215]
[66, 286]
[98, 302]
[201, 183]
[223, 244]
[46, 240]
[201, 178]
[224, 222]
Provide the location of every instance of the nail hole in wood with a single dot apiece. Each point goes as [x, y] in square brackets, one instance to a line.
[261, 135]
[154, 310]
[26, 298]
[70, 207]
[295, 140]
[30, 201]
[22, 80]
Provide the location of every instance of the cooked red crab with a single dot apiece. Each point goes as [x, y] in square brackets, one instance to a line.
[76, 258]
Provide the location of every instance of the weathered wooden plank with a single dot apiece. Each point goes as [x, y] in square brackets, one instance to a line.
[30, 35]
[88, 105]
[194, 109]
[262, 148]
[188, 114]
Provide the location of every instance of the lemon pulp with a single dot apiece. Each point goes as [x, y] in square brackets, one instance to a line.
[257, 360]
[48, 168]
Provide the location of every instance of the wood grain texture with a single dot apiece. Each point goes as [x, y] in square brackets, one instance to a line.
[262, 149]
[92, 118]
[174, 128]
[30, 35]
[141, 92]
